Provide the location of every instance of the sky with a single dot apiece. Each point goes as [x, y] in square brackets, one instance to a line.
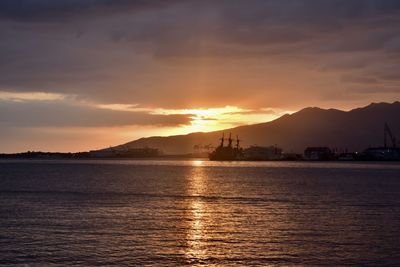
[77, 75]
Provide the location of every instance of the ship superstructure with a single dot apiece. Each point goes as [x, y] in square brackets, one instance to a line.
[228, 152]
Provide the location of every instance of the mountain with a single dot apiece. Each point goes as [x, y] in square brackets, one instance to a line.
[354, 130]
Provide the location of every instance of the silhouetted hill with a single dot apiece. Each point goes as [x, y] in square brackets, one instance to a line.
[354, 130]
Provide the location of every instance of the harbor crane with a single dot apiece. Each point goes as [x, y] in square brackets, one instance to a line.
[387, 133]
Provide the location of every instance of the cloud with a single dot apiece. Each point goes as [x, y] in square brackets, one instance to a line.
[29, 96]
[50, 112]
[151, 52]
[48, 10]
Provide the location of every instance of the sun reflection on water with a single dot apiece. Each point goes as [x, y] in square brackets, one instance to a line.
[197, 163]
[196, 249]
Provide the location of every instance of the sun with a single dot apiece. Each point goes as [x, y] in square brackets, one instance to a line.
[214, 119]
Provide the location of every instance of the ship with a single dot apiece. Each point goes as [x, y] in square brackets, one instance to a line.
[228, 152]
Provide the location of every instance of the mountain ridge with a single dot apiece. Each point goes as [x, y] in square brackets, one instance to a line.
[352, 130]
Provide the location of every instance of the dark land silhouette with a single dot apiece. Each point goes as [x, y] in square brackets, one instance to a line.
[313, 132]
[353, 130]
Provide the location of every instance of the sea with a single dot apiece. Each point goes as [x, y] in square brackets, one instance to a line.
[198, 213]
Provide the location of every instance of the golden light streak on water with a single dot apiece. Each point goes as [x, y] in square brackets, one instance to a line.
[197, 163]
[193, 213]
[196, 235]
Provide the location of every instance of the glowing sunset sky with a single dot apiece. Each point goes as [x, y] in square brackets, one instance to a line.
[79, 75]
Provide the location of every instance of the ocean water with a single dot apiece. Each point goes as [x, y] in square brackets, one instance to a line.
[177, 213]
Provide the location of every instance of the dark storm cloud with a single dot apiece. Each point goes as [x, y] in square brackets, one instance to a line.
[375, 90]
[63, 114]
[55, 10]
[253, 11]
[87, 47]
[359, 79]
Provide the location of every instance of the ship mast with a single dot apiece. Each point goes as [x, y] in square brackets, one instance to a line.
[222, 140]
[237, 142]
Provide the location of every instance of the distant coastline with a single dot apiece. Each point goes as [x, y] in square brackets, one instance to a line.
[38, 155]
[368, 133]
